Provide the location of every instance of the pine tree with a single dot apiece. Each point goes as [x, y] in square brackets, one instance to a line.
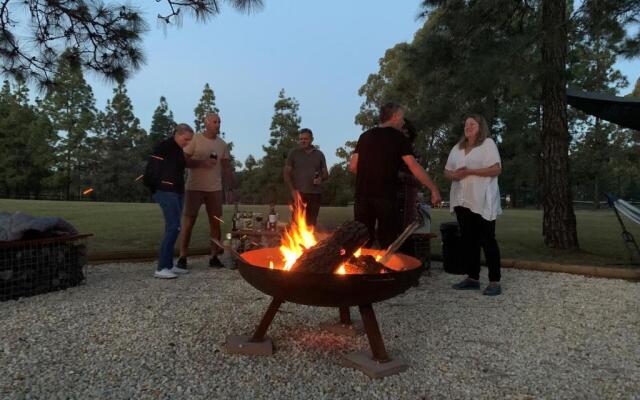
[250, 163]
[119, 150]
[206, 105]
[284, 129]
[6, 108]
[26, 143]
[70, 106]
[109, 34]
[593, 54]
[162, 123]
[559, 220]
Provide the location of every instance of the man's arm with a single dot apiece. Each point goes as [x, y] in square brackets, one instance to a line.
[191, 163]
[353, 164]
[422, 176]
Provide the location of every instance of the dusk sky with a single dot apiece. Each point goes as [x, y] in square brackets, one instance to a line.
[319, 52]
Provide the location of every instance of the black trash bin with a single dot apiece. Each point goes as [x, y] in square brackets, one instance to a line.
[452, 248]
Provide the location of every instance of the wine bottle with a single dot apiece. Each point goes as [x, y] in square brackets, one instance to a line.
[273, 219]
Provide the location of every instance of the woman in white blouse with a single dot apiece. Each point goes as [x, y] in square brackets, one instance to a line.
[473, 167]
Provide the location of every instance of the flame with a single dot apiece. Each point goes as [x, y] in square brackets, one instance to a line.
[87, 191]
[270, 264]
[298, 237]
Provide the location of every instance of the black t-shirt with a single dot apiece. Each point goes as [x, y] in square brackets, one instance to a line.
[165, 167]
[380, 152]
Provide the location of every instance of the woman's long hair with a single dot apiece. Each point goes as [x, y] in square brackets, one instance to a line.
[483, 131]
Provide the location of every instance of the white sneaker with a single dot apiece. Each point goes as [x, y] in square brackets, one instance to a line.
[178, 270]
[165, 274]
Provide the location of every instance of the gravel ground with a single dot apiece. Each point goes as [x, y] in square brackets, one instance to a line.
[126, 335]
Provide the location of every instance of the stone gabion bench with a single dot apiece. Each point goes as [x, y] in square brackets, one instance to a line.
[31, 267]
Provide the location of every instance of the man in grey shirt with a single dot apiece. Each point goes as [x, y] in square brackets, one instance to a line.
[304, 171]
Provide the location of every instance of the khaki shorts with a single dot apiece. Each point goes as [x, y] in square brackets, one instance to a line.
[193, 199]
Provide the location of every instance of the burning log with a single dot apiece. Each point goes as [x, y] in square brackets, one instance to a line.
[327, 256]
[365, 265]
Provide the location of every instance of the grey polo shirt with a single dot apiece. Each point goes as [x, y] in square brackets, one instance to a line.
[303, 168]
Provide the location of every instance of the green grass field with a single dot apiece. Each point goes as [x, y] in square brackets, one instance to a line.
[127, 227]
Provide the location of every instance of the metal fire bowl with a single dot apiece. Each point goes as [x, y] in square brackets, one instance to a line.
[328, 290]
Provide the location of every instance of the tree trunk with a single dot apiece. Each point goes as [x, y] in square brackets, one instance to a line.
[559, 220]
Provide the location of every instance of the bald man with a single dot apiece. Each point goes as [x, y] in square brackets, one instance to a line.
[208, 160]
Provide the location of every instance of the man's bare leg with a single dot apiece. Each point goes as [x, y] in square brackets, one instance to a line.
[185, 233]
[214, 229]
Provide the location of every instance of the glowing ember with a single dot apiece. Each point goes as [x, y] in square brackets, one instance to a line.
[298, 237]
[167, 182]
[157, 158]
[219, 219]
[138, 178]
[270, 264]
[87, 191]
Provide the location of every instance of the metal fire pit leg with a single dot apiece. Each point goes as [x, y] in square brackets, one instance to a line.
[373, 334]
[377, 363]
[261, 330]
[346, 326]
[258, 344]
[345, 316]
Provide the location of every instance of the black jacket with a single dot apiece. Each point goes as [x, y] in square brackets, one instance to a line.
[165, 168]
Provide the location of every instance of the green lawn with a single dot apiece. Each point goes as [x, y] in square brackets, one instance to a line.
[126, 227]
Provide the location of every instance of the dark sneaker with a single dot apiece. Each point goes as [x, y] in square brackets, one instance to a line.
[182, 263]
[492, 290]
[214, 262]
[467, 284]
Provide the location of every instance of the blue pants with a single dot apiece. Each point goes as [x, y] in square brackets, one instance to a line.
[171, 205]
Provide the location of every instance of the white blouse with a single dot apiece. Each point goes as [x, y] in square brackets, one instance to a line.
[480, 194]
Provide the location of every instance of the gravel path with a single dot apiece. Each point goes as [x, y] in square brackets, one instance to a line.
[126, 335]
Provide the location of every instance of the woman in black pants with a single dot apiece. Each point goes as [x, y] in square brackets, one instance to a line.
[473, 167]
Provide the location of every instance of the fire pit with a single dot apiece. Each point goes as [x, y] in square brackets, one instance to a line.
[328, 290]
[334, 272]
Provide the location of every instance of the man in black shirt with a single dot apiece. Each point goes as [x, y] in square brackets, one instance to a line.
[376, 161]
[164, 176]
